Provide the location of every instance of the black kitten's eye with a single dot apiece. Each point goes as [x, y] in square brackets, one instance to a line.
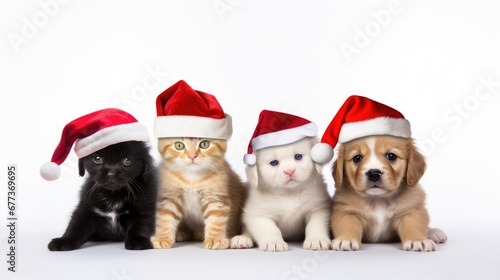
[179, 146]
[391, 156]
[98, 160]
[127, 161]
[357, 158]
[204, 144]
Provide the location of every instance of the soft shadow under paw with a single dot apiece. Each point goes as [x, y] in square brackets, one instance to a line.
[317, 244]
[216, 243]
[345, 245]
[241, 242]
[138, 243]
[162, 243]
[274, 246]
[425, 245]
[63, 244]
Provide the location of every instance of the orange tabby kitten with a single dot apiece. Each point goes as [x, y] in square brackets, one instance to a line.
[200, 196]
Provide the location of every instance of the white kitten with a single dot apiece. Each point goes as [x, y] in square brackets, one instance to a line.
[288, 200]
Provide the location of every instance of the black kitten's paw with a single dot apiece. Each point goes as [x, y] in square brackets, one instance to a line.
[63, 244]
[138, 243]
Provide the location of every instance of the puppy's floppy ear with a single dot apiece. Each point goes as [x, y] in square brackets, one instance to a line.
[252, 176]
[416, 164]
[81, 167]
[338, 168]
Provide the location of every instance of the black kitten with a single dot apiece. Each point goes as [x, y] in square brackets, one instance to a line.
[117, 200]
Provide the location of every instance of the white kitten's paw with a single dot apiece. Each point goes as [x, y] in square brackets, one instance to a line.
[162, 242]
[241, 242]
[273, 246]
[317, 244]
[425, 245]
[345, 245]
[437, 235]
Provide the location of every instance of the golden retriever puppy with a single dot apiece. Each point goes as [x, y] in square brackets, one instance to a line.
[378, 197]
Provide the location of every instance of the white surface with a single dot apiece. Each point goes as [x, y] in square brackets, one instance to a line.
[428, 62]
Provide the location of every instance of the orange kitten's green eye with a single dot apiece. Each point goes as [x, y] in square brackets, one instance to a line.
[179, 145]
[204, 144]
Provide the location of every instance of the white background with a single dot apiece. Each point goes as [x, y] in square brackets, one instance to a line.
[427, 59]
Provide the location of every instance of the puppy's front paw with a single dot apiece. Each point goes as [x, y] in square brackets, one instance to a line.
[162, 242]
[216, 243]
[138, 243]
[273, 246]
[241, 242]
[425, 245]
[345, 245]
[63, 244]
[437, 235]
[317, 244]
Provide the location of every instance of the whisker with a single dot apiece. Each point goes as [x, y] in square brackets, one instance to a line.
[92, 189]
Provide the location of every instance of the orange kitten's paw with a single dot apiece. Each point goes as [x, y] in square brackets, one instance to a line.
[162, 243]
[274, 246]
[425, 245]
[345, 245]
[317, 244]
[216, 243]
[241, 242]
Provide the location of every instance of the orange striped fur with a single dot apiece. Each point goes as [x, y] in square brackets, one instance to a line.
[200, 196]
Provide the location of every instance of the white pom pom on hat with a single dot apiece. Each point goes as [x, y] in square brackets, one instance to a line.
[322, 153]
[249, 159]
[93, 132]
[50, 171]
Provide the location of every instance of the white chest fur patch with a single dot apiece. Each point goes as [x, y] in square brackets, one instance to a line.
[192, 208]
[113, 216]
[381, 212]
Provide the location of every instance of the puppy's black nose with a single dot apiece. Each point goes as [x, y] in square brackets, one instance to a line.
[373, 175]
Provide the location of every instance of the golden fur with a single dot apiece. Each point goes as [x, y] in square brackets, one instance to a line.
[388, 207]
[200, 196]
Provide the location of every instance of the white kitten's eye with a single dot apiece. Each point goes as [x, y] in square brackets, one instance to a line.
[179, 146]
[204, 144]
[298, 156]
[127, 161]
[98, 160]
[274, 162]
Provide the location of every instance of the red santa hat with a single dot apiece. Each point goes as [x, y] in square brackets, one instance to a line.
[276, 128]
[184, 112]
[360, 117]
[91, 133]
